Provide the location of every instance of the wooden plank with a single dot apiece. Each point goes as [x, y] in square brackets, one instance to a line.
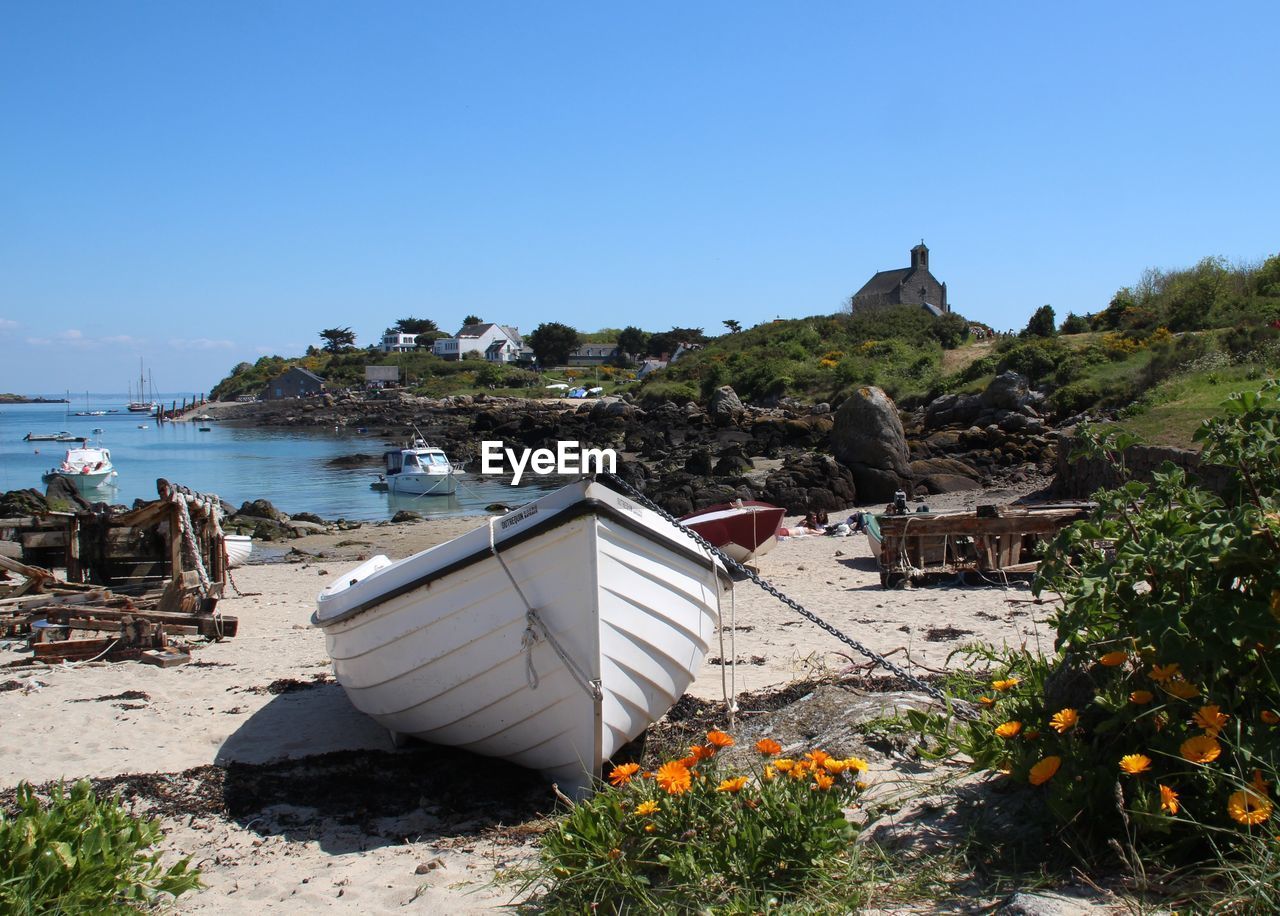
[206, 624]
[31, 572]
[38, 540]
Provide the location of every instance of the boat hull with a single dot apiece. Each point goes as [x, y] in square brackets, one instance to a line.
[86, 482]
[422, 484]
[238, 547]
[744, 531]
[441, 647]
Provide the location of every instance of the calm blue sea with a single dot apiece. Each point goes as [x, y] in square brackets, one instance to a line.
[288, 467]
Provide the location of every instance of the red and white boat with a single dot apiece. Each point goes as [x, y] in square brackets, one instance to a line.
[742, 529]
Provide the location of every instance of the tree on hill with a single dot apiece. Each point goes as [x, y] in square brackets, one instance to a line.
[424, 327]
[1042, 323]
[733, 325]
[632, 341]
[1074, 324]
[472, 319]
[667, 341]
[336, 340]
[552, 342]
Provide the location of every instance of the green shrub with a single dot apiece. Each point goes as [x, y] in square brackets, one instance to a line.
[80, 854]
[1075, 398]
[698, 836]
[1158, 717]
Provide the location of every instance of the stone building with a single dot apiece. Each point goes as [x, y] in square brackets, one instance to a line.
[293, 383]
[913, 285]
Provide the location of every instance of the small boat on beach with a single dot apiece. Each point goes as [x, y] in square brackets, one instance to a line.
[49, 437]
[743, 529]
[419, 470]
[88, 467]
[238, 548]
[550, 636]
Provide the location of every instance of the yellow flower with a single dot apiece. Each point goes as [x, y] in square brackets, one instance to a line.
[1133, 764]
[674, 777]
[1064, 720]
[1043, 771]
[1141, 697]
[800, 768]
[649, 828]
[1168, 799]
[857, 764]
[1164, 672]
[1114, 659]
[986, 701]
[768, 747]
[833, 766]
[784, 764]
[1211, 719]
[621, 775]
[769, 773]
[1006, 684]
[1008, 729]
[860, 786]
[647, 807]
[1200, 749]
[732, 785]
[1248, 807]
[719, 739]
[822, 781]
[1269, 716]
[1183, 690]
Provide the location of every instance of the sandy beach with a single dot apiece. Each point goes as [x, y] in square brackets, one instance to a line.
[291, 801]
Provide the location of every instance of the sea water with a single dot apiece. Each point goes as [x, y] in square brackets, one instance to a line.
[289, 467]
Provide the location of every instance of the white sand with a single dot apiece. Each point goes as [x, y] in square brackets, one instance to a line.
[197, 715]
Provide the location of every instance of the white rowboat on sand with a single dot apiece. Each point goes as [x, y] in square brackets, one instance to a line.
[550, 637]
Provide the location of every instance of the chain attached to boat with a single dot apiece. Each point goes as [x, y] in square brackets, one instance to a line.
[615, 481]
[535, 629]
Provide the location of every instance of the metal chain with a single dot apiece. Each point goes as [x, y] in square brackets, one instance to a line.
[804, 612]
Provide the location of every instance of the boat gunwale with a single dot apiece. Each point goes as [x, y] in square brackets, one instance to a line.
[588, 505]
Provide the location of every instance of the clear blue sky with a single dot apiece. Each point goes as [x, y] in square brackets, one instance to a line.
[203, 183]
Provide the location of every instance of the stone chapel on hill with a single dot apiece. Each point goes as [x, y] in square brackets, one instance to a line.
[913, 285]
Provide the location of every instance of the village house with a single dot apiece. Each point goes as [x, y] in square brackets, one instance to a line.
[381, 376]
[913, 285]
[594, 354]
[295, 382]
[480, 339]
[395, 342]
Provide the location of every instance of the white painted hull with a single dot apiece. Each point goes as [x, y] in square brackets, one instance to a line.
[422, 484]
[435, 646]
[238, 547]
[85, 482]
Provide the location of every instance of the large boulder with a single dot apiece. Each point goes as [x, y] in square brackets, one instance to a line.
[725, 406]
[1007, 391]
[868, 438]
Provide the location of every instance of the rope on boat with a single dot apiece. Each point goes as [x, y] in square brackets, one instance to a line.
[929, 689]
[535, 628]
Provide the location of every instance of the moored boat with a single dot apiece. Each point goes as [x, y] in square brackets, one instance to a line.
[549, 637]
[88, 467]
[49, 437]
[743, 529]
[238, 548]
[419, 470]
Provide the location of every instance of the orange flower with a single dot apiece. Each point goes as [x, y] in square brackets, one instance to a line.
[1211, 719]
[986, 701]
[800, 768]
[1259, 784]
[1007, 684]
[1043, 771]
[647, 807]
[1064, 720]
[1200, 749]
[1164, 672]
[674, 777]
[833, 766]
[1114, 659]
[822, 781]
[719, 740]
[732, 785]
[817, 758]
[1248, 807]
[768, 747]
[1183, 690]
[615, 853]
[701, 752]
[1133, 764]
[1008, 730]
[1168, 799]
[1141, 697]
[621, 775]
[1269, 716]
[649, 828]
[769, 773]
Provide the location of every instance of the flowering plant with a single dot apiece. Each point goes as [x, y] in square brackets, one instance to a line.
[698, 828]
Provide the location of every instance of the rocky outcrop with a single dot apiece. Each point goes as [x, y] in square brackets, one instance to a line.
[868, 438]
[1008, 402]
[725, 406]
[808, 482]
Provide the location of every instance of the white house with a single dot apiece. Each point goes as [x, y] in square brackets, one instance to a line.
[497, 343]
[395, 342]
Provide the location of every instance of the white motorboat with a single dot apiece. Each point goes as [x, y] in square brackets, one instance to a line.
[419, 470]
[88, 467]
[238, 548]
[549, 637]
